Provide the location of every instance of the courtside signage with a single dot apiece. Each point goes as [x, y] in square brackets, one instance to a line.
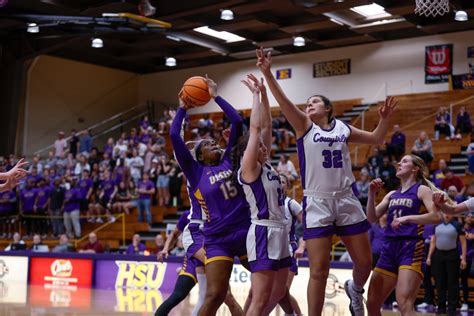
[57, 272]
[13, 279]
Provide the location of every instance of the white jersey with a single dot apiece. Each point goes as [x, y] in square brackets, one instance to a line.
[292, 210]
[325, 162]
[265, 196]
[196, 213]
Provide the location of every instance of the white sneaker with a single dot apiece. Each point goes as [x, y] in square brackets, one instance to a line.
[464, 307]
[423, 305]
[356, 305]
[395, 305]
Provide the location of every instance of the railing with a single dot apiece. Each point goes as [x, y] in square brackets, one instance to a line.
[101, 227]
[452, 105]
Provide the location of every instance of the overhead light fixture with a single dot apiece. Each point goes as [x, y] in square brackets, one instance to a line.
[227, 15]
[173, 38]
[223, 35]
[145, 8]
[336, 21]
[371, 11]
[461, 16]
[170, 62]
[33, 28]
[97, 43]
[299, 41]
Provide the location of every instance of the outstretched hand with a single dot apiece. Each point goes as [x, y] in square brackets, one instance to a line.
[17, 171]
[251, 85]
[375, 185]
[212, 86]
[264, 62]
[386, 110]
[259, 83]
[10, 184]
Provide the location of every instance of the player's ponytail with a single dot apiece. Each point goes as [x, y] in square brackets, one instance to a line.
[237, 153]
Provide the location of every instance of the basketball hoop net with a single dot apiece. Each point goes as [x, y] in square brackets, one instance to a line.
[431, 7]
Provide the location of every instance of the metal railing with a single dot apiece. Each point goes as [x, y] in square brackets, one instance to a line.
[101, 227]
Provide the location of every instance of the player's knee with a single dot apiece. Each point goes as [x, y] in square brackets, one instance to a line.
[215, 295]
[319, 274]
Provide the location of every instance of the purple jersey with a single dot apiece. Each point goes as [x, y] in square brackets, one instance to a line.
[469, 242]
[131, 249]
[145, 185]
[84, 185]
[108, 187]
[43, 196]
[403, 204]
[183, 221]
[195, 212]
[220, 198]
[27, 198]
[7, 199]
[71, 200]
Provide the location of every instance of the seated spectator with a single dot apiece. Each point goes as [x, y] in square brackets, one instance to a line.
[178, 251]
[93, 246]
[442, 122]
[136, 247]
[286, 167]
[438, 175]
[454, 194]
[396, 147]
[388, 175]
[452, 179]
[374, 163]
[423, 148]
[16, 244]
[363, 187]
[160, 244]
[463, 123]
[64, 245]
[122, 199]
[470, 156]
[38, 245]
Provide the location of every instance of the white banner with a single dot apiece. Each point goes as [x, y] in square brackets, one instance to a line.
[13, 279]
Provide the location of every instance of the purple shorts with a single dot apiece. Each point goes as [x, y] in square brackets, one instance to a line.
[189, 267]
[226, 247]
[398, 254]
[294, 261]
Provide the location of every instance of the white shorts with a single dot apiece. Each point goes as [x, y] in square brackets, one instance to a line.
[324, 217]
[192, 238]
[267, 248]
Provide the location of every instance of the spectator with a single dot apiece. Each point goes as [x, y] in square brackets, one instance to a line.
[74, 143]
[86, 187]
[136, 247]
[85, 143]
[396, 147]
[178, 251]
[94, 157]
[444, 255]
[362, 186]
[109, 147]
[107, 189]
[442, 122]
[470, 156]
[41, 208]
[56, 197]
[454, 194]
[38, 245]
[451, 179]
[71, 209]
[144, 123]
[64, 245]
[27, 203]
[160, 244]
[388, 175]
[428, 299]
[423, 148]
[51, 160]
[36, 163]
[122, 199]
[7, 210]
[16, 244]
[163, 181]
[136, 166]
[93, 246]
[145, 189]
[81, 165]
[286, 167]
[469, 231]
[438, 175]
[60, 145]
[374, 163]
[176, 181]
[463, 123]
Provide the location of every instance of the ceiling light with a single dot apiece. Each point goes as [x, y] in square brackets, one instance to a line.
[336, 21]
[170, 62]
[33, 28]
[227, 15]
[173, 38]
[299, 41]
[97, 43]
[371, 10]
[223, 35]
[461, 16]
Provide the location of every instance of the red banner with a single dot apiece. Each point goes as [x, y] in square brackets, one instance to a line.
[54, 272]
[438, 63]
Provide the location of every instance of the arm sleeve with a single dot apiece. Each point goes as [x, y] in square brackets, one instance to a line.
[190, 167]
[235, 121]
[469, 204]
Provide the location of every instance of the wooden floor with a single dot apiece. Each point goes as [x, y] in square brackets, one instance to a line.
[39, 301]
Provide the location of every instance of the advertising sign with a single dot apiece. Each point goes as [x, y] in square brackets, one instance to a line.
[111, 274]
[465, 81]
[13, 279]
[65, 273]
[438, 63]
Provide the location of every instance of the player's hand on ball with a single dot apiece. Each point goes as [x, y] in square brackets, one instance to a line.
[212, 87]
[182, 104]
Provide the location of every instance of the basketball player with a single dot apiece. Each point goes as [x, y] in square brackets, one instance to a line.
[12, 176]
[294, 212]
[267, 239]
[227, 211]
[400, 265]
[329, 204]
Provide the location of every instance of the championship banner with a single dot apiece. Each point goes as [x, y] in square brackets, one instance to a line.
[64, 273]
[332, 68]
[145, 275]
[283, 73]
[438, 63]
[464, 81]
[13, 279]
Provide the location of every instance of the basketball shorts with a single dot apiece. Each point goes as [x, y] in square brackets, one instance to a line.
[189, 267]
[267, 247]
[224, 247]
[193, 239]
[398, 254]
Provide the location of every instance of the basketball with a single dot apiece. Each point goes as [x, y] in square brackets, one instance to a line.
[195, 91]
